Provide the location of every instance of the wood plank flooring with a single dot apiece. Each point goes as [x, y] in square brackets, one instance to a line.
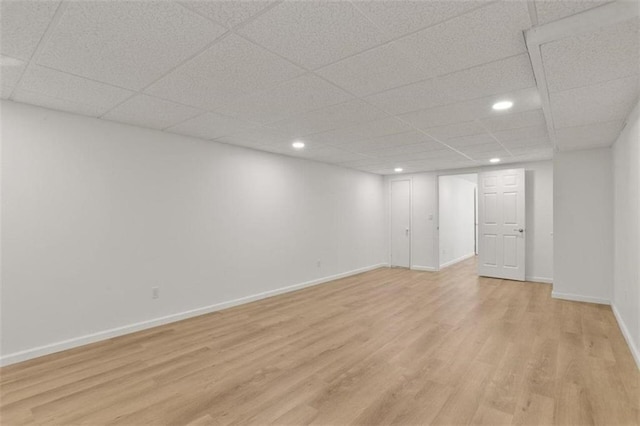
[390, 346]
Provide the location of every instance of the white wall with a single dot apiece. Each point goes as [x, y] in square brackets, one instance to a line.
[539, 200]
[456, 196]
[626, 250]
[583, 218]
[95, 214]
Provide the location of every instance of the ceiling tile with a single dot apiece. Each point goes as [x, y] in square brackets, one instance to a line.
[487, 34]
[512, 135]
[475, 149]
[607, 54]
[368, 130]
[389, 141]
[329, 31]
[532, 154]
[405, 150]
[23, 23]
[487, 155]
[39, 99]
[457, 130]
[442, 154]
[494, 78]
[127, 44]
[147, 111]
[528, 143]
[589, 136]
[472, 140]
[293, 97]
[210, 126]
[524, 100]
[592, 104]
[256, 136]
[228, 13]
[510, 120]
[10, 72]
[75, 90]
[375, 70]
[230, 68]
[403, 17]
[328, 118]
[552, 10]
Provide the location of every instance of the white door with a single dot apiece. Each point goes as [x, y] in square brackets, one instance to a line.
[502, 218]
[401, 223]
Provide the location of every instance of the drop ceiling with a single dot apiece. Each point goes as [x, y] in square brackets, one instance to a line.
[369, 85]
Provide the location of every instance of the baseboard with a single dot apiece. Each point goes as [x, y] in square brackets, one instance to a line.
[579, 298]
[460, 259]
[132, 328]
[543, 280]
[423, 268]
[627, 336]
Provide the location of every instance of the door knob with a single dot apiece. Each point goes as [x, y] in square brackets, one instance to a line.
[519, 230]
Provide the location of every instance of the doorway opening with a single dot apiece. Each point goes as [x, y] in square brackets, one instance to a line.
[458, 218]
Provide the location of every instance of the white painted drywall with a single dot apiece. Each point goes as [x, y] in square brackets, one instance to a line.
[95, 214]
[626, 225]
[583, 221]
[456, 197]
[539, 227]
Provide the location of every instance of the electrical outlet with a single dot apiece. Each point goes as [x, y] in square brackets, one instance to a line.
[155, 292]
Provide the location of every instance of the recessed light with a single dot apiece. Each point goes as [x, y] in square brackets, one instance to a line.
[398, 169]
[298, 145]
[494, 160]
[502, 105]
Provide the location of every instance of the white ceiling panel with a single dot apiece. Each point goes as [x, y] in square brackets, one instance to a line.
[589, 136]
[40, 99]
[528, 154]
[147, 111]
[405, 150]
[368, 130]
[256, 136]
[293, 97]
[607, 54]
[476, 149]
[487, 34]
[228, 13]
[472, 140]
[512, 135]
[388, 141]
[328, 118]
[509, 120]
[211, 126]
[313, 33]
[591, 104]
[126, 43]
[67, 87]
[23, 25]
[494, 78]
[552, 10]
[375, 70]
[231, 68]
[522, 144]
[403, 17]
[456, 130]
[10, 72]
[524, 100]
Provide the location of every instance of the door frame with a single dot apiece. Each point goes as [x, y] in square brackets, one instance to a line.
[436, 222]
[390, 209]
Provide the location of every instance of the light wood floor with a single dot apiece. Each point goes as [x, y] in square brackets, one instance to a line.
[390, 346]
